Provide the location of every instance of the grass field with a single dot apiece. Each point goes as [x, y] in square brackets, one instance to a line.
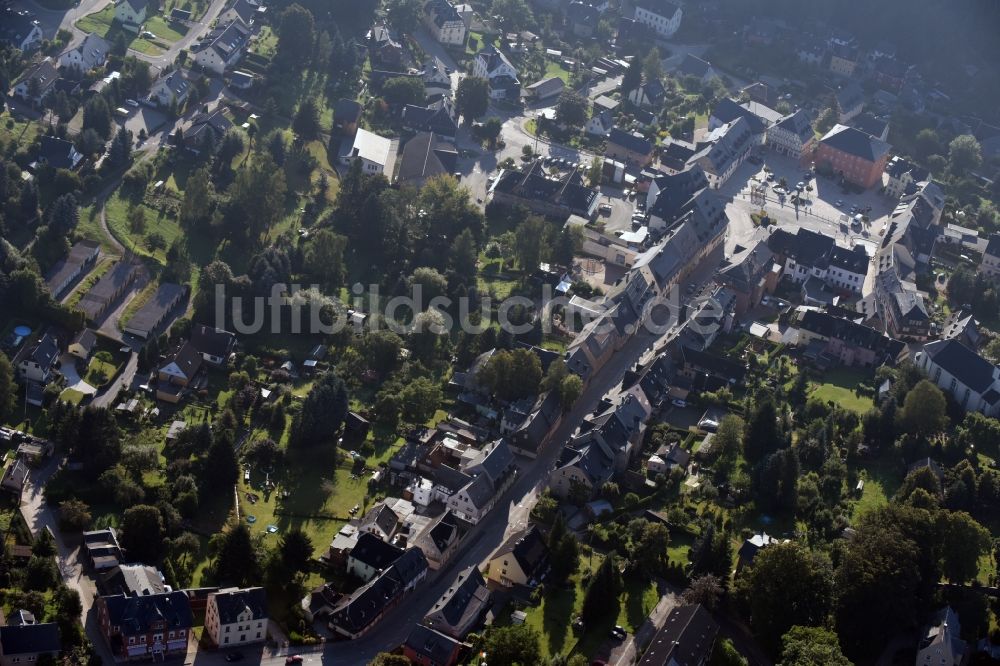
[553, 617]
[71, 396]
[99, 372]
[553, 68]
[266, 43]
[838, 387]
[103, 24]
[116, 211]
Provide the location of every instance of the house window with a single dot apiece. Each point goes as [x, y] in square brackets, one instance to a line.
[258, 634]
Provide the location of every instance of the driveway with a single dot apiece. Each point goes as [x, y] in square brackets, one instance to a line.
[38, 516]
[73, 381]
[124, 380]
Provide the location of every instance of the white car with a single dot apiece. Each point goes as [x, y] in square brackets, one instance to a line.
[677, 402]
[780, 190]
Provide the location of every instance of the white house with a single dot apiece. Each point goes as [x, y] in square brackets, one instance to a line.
[243, 11]
[437, 80]
[92, 52]
[492, 65]
[19, 29]
[172, 88]
[36, 366]
[971, 380]
[444, 22]
[600, 124]
[131, 14]
[792, 135]
[35, 84]
[371, 149]
[663, 17]
[223, 48]
[236, 616]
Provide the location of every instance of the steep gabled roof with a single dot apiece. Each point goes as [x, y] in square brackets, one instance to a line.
[855, 142]
[962, 363]
[232, 602]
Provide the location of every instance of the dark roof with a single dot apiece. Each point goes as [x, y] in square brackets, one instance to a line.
[212, 341]
[30, 639]
[686, 639]
[151, 314]
[869, 124]
[962, 363]
[45, 352]
[410, 566]
[855, 142]
[746, 266]
[465, 598]
[347, 111]
[443, 534]
[57, 153]
[849, 96]
[993, 246]
[85, 338]
[693, 66]
[375, 553]
[717, 365]
[532, 185]
[529, 549]
[135, 614]
[179, 14]
[131, 579]
[382, 516]
[661, 7]
[798, 124]
[187, 359]
[728, 110]
[724, 145]
[495, 461]
[432, 645]
[635, 143]
[854, 260]
[434, 118]
[426, 155]
[15, 26]
[805, 247]
[859, 335]
[582, 13]
[137, 5]
[230, 603]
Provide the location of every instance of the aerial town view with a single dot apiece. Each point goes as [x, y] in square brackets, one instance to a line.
[500, 332]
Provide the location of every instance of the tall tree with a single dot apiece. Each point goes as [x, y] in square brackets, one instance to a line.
[142, 533]
[296, 35]
[259, 194]
[237, 561]
[472, 97]
[296, 550]
[602, 592]
[512, 646]
[529, 235]
[571, 110]
[763, 435]
[323, 412]
[963, 543]
[787, 585]
[964, 154]
[323, 258]
[924, 410]
[305, 124]
[632, 78]
[811, 646]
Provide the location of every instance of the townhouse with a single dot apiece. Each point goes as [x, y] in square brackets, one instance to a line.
[222, 48]
[444, 22]
[845, 342]
[357, 614]
[494, 66]
[236, 616]
[146, 627]
[91, 53]
[631, 148]
[792, 135]
[545, 195]
[723, 150]
[521, 560]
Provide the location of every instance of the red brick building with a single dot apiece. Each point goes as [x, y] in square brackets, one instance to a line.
[154, 626]
[852, 155]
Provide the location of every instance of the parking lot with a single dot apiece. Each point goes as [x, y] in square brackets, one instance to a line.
[820, 212]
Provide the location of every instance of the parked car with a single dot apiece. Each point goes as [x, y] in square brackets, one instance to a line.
[294, 659]
[677, 402]
[234, 656]
[839, 203]
[619, 632]
[604, 209]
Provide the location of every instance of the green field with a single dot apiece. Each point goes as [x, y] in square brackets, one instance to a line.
[103, 24]
[99, 372]
[116, 212]
[838, 387]
[553, 68]
[553, 617]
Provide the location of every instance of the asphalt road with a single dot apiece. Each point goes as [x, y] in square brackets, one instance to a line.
[38, 515]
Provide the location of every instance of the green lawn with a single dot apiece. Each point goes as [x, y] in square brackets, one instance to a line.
[99, 372]
[266, 43]
[838, 386]
[116, 211]
[103, 24]
[71, 396]
[553, 617]
[554, 68]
